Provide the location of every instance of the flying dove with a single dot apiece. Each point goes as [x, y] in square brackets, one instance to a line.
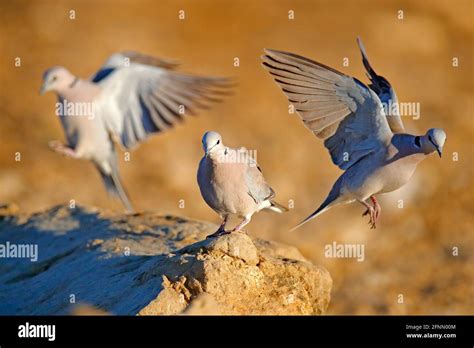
[131, 97]
[232, 183]
[372, 148]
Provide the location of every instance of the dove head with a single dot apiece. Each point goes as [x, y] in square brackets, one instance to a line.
[57, 79]
[211, 141]
[434, 140]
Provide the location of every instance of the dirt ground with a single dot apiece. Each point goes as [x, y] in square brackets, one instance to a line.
[409, 266]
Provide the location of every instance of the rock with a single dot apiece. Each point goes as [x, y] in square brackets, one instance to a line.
[8, 209]
[147, 264]
[205, 304]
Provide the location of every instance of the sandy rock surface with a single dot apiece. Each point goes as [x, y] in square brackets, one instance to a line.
[147, 264]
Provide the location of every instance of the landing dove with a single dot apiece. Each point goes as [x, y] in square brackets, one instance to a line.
[372, 148]
[131, 97]
[232, 183]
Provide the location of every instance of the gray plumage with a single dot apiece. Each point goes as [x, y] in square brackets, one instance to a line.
[130, 98]
[232, 183]
[362, 139]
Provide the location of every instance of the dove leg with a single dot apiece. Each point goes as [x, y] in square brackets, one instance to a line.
[377, 207]
[62, 149]
[221, 230]
[224, 222]
[371, 211]
[222, 226]
[244, 222]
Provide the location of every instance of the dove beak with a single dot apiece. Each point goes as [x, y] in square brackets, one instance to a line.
[440, 152]
[44, 88]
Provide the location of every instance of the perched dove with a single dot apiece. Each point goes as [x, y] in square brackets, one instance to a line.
[131, 97]
[371, 146]
[231, 182]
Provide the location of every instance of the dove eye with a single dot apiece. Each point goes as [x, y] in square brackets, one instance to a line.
[218, 142]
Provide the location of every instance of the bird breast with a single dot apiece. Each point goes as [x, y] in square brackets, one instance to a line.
[224, 189]
[396, 174]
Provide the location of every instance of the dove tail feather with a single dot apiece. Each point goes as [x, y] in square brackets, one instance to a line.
[328, 203]
[114, 187]
[277, 207]
[122, 194]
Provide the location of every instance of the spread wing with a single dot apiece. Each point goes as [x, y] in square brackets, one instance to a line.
[141, 95]
[385, 92]
[335, 107]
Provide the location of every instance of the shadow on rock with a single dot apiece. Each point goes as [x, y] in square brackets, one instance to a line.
[148, 264]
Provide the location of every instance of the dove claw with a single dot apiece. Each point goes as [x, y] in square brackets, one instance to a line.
[218, 233]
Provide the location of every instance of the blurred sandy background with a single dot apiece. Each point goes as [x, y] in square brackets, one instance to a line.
[410, 253]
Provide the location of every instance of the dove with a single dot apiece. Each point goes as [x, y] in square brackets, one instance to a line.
[232, 183]
[130, 98]
[368, 144]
